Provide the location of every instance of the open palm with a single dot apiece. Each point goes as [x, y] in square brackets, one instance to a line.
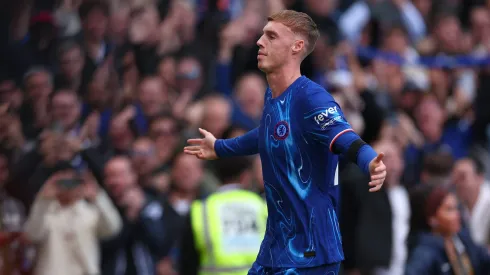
[202, 148]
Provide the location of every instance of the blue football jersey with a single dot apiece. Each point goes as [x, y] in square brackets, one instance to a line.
[294, 140]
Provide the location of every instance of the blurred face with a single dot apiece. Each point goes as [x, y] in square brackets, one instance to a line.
[167, 70]
[166, 136]
[396, 42]
[119, 23]
[65, 109]
[430, 118]
[95, 25]
[71, 63]
[274, 47]
[480, 23]
[216, 117]
[152, 96]
[465, 178]
[250, 95]
[119, 176]
[66, 196]
[189, 75]
[39, 86]
[448, 32]
[187, 173]
[4, 171]
[447, 220]
[121, 136]
[144, 157]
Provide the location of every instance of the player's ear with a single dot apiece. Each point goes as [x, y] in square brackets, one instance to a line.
[298, 46]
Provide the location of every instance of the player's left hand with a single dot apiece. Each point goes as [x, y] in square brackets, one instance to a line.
[377, 170]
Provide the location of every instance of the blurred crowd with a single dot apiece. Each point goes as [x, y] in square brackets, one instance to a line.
[97, 99]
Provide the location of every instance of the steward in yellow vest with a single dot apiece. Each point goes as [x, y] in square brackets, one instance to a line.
[225, 230]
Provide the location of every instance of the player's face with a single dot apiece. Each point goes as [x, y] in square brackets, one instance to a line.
[275, 46]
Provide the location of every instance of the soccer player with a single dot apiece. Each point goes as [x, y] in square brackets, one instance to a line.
[301, 134]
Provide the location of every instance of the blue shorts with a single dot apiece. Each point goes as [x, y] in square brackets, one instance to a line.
[328, 269]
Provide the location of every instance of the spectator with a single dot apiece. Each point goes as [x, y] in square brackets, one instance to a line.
[88, 81]
[250, 95]
[145, 160]
[71, 62]
[242, 225]
[94, 18]
[38, 86]
[187, 175]
[385, 252]
[474, 192]
[444, 248]
[216, 115]
[68, 217]
[142, 241]
[153, 96]
[165, 131]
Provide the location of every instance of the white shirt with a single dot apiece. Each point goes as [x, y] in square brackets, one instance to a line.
[480, 219]
[400, 209]
[67, 238]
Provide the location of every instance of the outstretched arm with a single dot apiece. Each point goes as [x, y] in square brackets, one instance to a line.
[325, 123]
[247, 144]
[210, 148]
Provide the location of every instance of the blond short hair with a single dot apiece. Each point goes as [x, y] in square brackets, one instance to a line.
[300, 23]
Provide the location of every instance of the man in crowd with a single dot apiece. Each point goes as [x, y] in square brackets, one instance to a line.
[69, 216]
[474, 192]
[224, 231]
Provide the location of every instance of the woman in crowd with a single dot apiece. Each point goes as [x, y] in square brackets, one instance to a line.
[441, 245]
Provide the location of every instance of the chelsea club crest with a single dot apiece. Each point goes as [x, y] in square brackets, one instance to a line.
[281, 131]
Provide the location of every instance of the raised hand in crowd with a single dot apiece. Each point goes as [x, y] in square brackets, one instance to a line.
[169, 28]
[49, 147]
[90, 128]
[122, 119]
[407, 132]
[179, 107]
[231, 36]
[49, 190]
[90, 187]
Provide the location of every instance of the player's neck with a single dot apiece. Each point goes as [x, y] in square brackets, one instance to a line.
[280, 80]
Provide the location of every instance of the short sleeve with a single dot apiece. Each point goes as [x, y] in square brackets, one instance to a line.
[323, 120]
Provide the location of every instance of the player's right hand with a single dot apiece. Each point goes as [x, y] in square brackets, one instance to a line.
[202, 148]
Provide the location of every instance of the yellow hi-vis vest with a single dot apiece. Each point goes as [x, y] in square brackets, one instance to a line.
[228, 229]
